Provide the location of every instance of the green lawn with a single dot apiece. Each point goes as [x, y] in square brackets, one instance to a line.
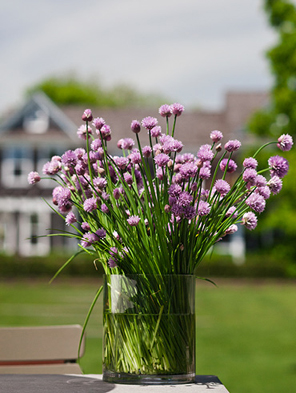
[246, 331]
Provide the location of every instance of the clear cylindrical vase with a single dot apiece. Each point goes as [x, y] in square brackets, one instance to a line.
[149, 329]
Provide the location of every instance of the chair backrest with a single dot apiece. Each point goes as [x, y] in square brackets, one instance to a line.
[40, 350]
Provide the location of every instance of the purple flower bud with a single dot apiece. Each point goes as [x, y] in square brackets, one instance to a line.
[136, 126]
[33, 177]
[87, 115]
[147, 151]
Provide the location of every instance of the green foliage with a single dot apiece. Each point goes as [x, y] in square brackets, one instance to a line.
[71, 90]
[280, 118]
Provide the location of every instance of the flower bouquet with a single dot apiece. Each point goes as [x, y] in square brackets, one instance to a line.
[149, 216]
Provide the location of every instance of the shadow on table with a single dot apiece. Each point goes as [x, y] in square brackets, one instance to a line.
[48, 383]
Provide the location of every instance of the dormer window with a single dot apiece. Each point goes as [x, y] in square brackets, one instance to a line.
[36, 122]
[17, 163]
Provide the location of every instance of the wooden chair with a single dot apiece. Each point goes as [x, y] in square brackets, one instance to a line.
[40, 350]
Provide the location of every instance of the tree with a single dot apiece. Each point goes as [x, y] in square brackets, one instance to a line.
[71, 90]
[280, 118]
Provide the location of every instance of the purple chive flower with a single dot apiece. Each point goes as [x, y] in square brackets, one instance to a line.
[112, 262]
[85, 226]
[100, 182]
[101, 233]
[189, 212]
[204, 173]
[188, 170]
[205, 153]
[96, 144]
[105, 132]
[231, 212]
[175, 190]
[250, 175]
[222, 187]
[260, 181]
[136, 126]
[162, 159]
[104, 208]
[165, 110]
[52, 167]
[90, 204]
[133, 220]
[149, 122]
[285, 142]
[155, 131]
[185, 199]
[128, 178]
[116, 193]
[232, 229]
[135, 157]
[275, 184]
[114, 257]
[79, 153]
[263, 191]
[256, 202]
[98, 122]
[249, 220]
[177, 109]
[216, 136]
[88, 239]
[159, 173]
[70, 218]
[279, 166]
[69, 158]
[33, 177]
[250, 163]
[82, 131]
[146, 150]
[232, 145]
[87, 115]
[204, 208]
[229, 164]
[121, 162]
[62, 198]
[126, 143]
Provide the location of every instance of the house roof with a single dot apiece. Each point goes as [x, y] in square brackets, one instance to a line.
[193, 127]
[41, 110]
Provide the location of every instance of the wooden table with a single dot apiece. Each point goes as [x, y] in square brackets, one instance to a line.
[90, 383]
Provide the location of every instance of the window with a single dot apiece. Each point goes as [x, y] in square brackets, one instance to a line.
[16, 165]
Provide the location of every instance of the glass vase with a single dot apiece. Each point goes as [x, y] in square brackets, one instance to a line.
[149, 329]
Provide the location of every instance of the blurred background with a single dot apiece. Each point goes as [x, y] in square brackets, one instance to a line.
[233, 66]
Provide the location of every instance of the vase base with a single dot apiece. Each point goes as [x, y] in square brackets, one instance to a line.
[142, 379]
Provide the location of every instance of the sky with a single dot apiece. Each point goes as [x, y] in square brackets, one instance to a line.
[191, 51]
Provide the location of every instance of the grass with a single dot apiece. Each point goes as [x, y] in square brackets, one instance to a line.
[245, 330]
